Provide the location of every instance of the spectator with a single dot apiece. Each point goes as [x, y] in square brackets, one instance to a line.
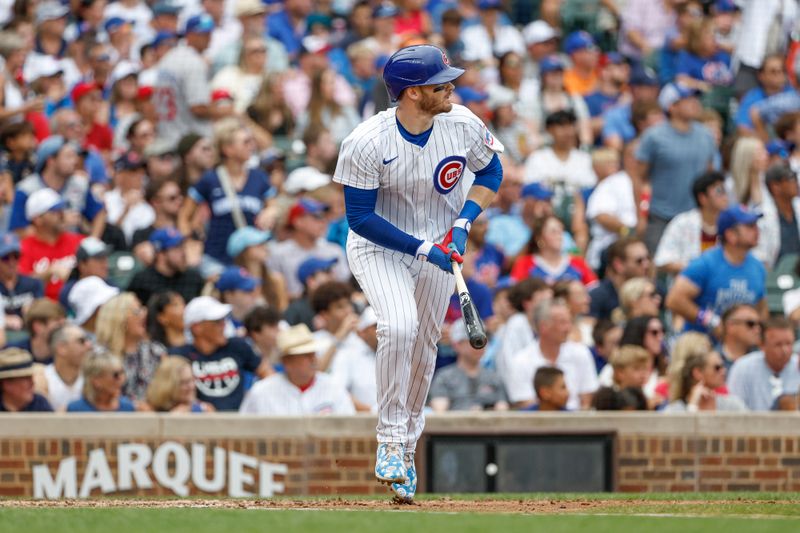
[354, 368]
[218, 363]
[19, 144]
[644, 27]
[491, 38]
[165, 199]
[270, 112]
[632, 366]
[759, 378]
[723, 276]
[646, 332]
[182, 91]
[574, 293]
[610, 210]
[17, 290]
[122, 330]
[169, 270]
[165, 319]
[336, 318]
[637, 297]
[694, 388]
[307, 229]
[311, 273]
[740, 333]
[551, 390]
[627, 258]
[771, 81]
[41, 317]
[172, 388]
[235, 194]
[244, 79]
[466, 386]
[545, 259]
[300, 390]
[554, 98]
[70, 346]
[162, 162]
[139, 133]
[125, 204]
[103, 378]
[703, 65]
[248, 249]
[749, 161]
[284, 25]
[509, 222]
[87, 99]
[619, 127]
[582, 49]
[16, 383]
[693, 232]
[261, 328]
[48, 252]
[671, 155]
[324, 111]
[611, 399]
[197, 157]
[606, 336]
[613, 77]
[241, 291]
[56, 165]
[509, 127]
[252, 18]
[553, 322]
[782, 215]
[91, 260]
[86, 298]
[13, 50]
[541, 40]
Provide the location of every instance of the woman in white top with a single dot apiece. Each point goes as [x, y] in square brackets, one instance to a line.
[694, 388]
[244, 79]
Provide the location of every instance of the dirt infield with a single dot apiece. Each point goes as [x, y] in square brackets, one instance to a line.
[441, 505]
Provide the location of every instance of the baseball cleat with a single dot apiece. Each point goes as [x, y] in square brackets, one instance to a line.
[389, 466]
[404, 492]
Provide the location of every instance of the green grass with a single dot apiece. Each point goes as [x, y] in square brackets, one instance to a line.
[241, 521]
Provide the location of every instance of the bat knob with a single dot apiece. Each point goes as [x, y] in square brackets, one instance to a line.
[478, 341]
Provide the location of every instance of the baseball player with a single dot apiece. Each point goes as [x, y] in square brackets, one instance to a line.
[409, 216]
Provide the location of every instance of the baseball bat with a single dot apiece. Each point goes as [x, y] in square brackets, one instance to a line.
[472, 320]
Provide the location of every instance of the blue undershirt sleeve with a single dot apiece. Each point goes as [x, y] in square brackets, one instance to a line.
[360, 209]
[491, 175]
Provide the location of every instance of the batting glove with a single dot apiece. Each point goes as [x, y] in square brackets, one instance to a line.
[458, 235]
[439, 255]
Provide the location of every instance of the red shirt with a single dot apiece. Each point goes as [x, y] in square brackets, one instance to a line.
[100, 137]
[36, 256]
[571, 268]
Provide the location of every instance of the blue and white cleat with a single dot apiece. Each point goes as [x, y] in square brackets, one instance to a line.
[404, 492]
[389, 466]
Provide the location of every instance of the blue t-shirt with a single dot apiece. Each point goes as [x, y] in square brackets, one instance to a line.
[280, 27]
[598, 103]
[251, 200]
[772, 108]
[83, 406]
[39, 404]
[722, 284]
[23, 293]
[618, 121]
[715, 70]
[75, 193]
[752, 97]
[675, 159]
[219, 376]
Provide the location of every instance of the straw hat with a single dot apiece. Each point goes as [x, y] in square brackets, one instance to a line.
[297, 340]
[15, 363]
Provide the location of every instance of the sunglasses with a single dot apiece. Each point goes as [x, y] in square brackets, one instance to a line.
[641, 260]
[655, 331]
[751, 324]
[718, 368]
[118, 374]
[10, 257]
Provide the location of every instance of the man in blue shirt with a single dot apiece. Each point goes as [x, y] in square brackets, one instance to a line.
[16, 291]
[670, 156]
[772, 81]
[618, 128]
[16, 383]
[725, 275]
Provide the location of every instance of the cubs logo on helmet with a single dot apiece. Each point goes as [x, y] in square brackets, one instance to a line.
[448, 173]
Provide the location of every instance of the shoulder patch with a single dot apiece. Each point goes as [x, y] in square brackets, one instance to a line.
[491, 141]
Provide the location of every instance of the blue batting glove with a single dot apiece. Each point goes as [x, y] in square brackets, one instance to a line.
[458, 235]
[439, 255]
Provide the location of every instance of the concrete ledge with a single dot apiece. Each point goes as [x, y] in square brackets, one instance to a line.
[145, 425]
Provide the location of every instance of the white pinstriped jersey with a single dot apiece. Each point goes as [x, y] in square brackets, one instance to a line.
[277, 396]
[420, 187]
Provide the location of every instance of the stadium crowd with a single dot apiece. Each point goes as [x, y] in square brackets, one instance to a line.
[171, 239]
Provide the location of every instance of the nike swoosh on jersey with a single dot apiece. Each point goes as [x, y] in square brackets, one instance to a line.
[387, 161]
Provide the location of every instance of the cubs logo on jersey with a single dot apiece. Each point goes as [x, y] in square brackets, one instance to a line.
[448, 173]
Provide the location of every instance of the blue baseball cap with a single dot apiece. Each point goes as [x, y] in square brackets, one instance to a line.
[490, 4]
[236, 279]
[725, 6]
[9, 243]
[202, 23]
[114, 23]
[305, 206]
[550, 64]
[614, 58]
[674, 92]
[311, 266]
[166, 238]
[778, 147]
[733, 216]
[643, 76]
[245, 237]
[469, 95]
[579, 40]
[385, 10]
[537, 191]
[48, 148]
[162, 37]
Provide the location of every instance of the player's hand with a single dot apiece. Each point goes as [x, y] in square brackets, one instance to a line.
[439, 255]
[458, 235]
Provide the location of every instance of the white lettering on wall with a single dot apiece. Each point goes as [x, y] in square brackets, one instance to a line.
[133, 461]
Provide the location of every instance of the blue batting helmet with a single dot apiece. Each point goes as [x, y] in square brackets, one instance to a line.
[417, 65]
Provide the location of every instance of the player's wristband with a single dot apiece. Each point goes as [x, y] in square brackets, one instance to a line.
[424, 250]
[708, 319]
[469, 212]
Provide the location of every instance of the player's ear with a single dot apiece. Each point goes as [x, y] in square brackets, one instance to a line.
[414, 93]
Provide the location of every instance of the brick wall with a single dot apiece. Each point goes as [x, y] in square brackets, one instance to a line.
[654, 453]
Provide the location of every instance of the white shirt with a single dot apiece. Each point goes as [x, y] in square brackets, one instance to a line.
[757, 17]
[606, 379]
[287, 256]
[574, 359]
[681, 241]
[276, 396]
[139, 216]
[59, 393]
[480, 47]
[612, 196]
[513, 337]
[354, 369]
